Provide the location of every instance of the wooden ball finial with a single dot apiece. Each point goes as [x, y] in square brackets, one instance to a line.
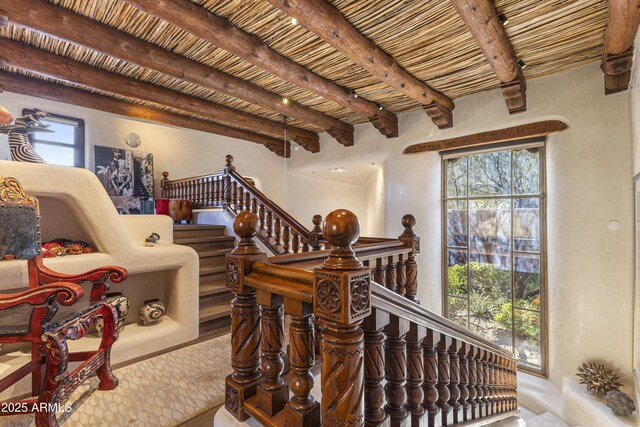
[317, 219]
[341, 229]
[246, 226]
[165, 175]
[408, 222]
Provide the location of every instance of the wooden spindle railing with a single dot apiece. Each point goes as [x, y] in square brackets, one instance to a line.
[436, 372]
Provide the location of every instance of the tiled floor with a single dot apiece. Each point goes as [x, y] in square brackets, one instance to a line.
[182, 386]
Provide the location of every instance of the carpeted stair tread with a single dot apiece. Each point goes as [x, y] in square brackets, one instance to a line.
[211, 269]
[213, 252]
[215, 309]
[213, 288]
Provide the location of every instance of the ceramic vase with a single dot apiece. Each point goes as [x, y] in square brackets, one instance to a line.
[121, 304]
[152, 311]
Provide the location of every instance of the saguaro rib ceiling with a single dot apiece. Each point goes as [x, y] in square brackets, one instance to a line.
[622, 25]
[481, 18]
[224, 35]
[57, 92]
[39, 15]
[325, 21]
[38, 61]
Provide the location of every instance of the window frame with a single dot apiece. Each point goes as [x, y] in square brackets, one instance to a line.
[78, 137]
[508, 146]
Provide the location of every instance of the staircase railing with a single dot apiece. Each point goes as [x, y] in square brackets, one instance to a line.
[436, 372]
[227, 189]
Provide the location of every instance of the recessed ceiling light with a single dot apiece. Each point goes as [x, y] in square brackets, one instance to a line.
[285, 100]
[294, 21]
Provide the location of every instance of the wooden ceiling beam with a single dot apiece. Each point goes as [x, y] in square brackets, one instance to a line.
[529, 130]
[482, 21]
[56, 92]
[623, 17]
[29, 58]
[220, 32]
[42, 16]
[326, 22]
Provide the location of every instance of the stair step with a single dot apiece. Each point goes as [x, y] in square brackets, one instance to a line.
[213, 288]
[207, 253]
[203, 239]
[214, 308]
[211, 269]
[181, 227]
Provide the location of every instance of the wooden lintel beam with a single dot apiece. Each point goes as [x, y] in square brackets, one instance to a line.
[623, 17]
[44, 17]
[482, 21]
[69, 95]
[220, 32]
[326, 22]
[38, 61]
[529, 130]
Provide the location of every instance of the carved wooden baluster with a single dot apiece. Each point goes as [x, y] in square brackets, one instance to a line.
[401, 275]
[295, 243]
[272, 393]
[215, 189]
[234, 195]
[261, 216]
[254, 205]
[277, 232]
[227, 191]
[390, 274]
[444, 377]
[430, 375]
[240, 199]
[302, 409]
[286, 238]
[316, 233]
[379, 272]
[164, 184]
[411, 240]
[374, 368]
[473, 381]
[395, 369]
[269, 224]
[454, 380]
[480, 383]
[342, 279]
[486, 384]
[192, 195]
[493, 383]
[464, 380]
[499, 385]
[200, 192]
[210, 191]
[514, 384]
[305, 245]
[415, 373]
[245, 318]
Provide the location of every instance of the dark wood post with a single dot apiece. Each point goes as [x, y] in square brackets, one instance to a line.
[379, 272]
[411, 240]
[473, 382]
[315, 235]
[341, 300]
[374, 400]
[454, 379]
[390, 275]
[302, 409]
[272, 392]
[395, 370]
[245, 317]
[464, 380]
[430, 375]
[444, 376]
[401, 274]
[415, 373]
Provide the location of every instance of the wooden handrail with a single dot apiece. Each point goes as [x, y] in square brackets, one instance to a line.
[436, 372]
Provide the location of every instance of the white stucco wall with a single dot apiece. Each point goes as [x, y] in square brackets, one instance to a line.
[181, 152]
[589, 170]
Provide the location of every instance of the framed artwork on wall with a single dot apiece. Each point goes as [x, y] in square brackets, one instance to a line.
[128, 178]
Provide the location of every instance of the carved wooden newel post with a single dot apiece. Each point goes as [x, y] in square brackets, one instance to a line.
[411, 240]
[227, 181]
[245, 317]
[342, 299]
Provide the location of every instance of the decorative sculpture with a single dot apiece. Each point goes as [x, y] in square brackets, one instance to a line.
[598, 378]
[620, 403]
[152, 311]
[21, 148]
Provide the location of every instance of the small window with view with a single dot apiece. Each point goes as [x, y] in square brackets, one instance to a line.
[62, 142]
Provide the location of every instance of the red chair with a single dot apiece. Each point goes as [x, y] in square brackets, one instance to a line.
[49, 313]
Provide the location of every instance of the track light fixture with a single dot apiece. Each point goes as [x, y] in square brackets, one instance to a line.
[504, 20]
[521, 64]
